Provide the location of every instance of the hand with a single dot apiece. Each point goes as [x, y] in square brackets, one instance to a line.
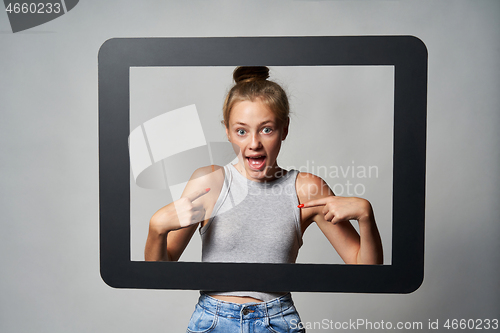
[188, 211]
[338, 209]
[180, 213]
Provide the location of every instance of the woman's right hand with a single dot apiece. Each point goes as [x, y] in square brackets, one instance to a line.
[180, 213]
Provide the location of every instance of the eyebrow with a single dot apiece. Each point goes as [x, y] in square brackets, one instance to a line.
[262, 123]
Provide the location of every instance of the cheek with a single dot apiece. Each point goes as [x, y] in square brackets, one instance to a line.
[236, 148]
[274, 147]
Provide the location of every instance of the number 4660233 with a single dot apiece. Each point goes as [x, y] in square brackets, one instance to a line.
[33, 8]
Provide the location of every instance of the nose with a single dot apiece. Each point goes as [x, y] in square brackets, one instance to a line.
[255, 141]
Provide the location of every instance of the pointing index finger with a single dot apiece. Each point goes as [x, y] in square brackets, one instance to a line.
[195, 195]
[313, 203]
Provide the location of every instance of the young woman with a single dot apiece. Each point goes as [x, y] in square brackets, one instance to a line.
[255, 211]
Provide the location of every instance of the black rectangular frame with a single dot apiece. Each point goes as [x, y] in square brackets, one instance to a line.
[407, 54]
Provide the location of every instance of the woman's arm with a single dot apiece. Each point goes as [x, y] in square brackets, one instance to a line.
[172, 226]
[332, 215]
[183, 213]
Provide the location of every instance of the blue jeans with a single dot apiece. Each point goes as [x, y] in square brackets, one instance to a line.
[275, 316]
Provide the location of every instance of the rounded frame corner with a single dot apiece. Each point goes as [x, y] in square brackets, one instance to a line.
[414, 285]
[107, 48]
[107, 278]
[418, 44]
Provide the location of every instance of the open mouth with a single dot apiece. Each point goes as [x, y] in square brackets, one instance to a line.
[256, 162]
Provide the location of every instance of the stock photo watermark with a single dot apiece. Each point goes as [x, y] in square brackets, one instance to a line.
[346, 180]
[156, 164]
[382, 325]
[27, 14]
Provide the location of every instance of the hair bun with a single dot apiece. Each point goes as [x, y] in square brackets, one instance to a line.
[250, 73]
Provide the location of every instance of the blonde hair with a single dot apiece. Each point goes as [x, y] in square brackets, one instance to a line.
[250, 84]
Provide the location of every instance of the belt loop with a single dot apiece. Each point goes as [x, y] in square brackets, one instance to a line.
[266, 312]
[217, 307]
[281, 307]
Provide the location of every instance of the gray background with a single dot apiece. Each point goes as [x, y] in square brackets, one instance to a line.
[49, 280]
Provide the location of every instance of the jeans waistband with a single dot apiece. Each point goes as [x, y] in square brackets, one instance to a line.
[247, 310]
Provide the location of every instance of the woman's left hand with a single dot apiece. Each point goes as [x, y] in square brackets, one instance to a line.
[365, 248]
[338, 209]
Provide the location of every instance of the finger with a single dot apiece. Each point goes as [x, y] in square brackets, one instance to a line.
[197, 217]
[329, 216]
[195, 195]
[188, 218]
[335, 220]
[313, 203]
[198, 209]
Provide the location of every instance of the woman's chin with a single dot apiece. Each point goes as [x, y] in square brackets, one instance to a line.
[261, 174]
[258, 174]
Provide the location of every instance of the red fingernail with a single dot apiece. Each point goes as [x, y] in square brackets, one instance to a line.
[300, 206]
[207, 189]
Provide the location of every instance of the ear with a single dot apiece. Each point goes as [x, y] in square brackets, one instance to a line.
[285, 129]
[227, 134]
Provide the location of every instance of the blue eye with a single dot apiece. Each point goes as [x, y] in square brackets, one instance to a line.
[241, 131]
[267, 130]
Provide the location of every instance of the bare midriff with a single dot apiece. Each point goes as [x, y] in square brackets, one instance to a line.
[237, 299]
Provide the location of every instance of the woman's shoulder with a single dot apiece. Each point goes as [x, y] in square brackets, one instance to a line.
[309, 185]
[207, 170]
[306, 178]
[210, 176]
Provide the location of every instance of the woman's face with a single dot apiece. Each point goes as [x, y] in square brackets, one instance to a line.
[256, 137]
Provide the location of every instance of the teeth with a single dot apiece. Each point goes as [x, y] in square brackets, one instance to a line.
[256, 161]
